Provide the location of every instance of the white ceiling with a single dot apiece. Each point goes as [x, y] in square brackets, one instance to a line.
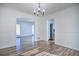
[29, 7]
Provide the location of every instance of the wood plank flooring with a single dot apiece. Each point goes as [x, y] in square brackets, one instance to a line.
[43, 46]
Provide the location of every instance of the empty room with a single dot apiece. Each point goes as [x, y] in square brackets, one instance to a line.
[39, 29]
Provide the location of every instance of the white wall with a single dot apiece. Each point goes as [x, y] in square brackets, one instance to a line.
[8, 24]
[66, 27]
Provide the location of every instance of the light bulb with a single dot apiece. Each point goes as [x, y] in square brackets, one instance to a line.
[34, 11]
[43, 10]
[43, 13]
[37, 14]
[38, 9]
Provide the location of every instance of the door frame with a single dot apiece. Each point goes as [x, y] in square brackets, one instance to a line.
[48, 27]
[28, 20]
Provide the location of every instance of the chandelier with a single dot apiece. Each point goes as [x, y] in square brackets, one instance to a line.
[39, 11]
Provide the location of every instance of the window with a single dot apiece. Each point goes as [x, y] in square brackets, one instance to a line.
[17, 29]
[32, 29]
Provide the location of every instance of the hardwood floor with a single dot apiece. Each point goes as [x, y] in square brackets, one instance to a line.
[62, 51]
[42, 46]
[8, 51]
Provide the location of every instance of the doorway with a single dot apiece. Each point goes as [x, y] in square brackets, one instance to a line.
[50, 30]
[25, 34]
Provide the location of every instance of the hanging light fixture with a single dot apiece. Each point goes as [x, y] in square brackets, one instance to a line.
[39, 11]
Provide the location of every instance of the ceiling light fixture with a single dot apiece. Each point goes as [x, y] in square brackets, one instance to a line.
[39, 11]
